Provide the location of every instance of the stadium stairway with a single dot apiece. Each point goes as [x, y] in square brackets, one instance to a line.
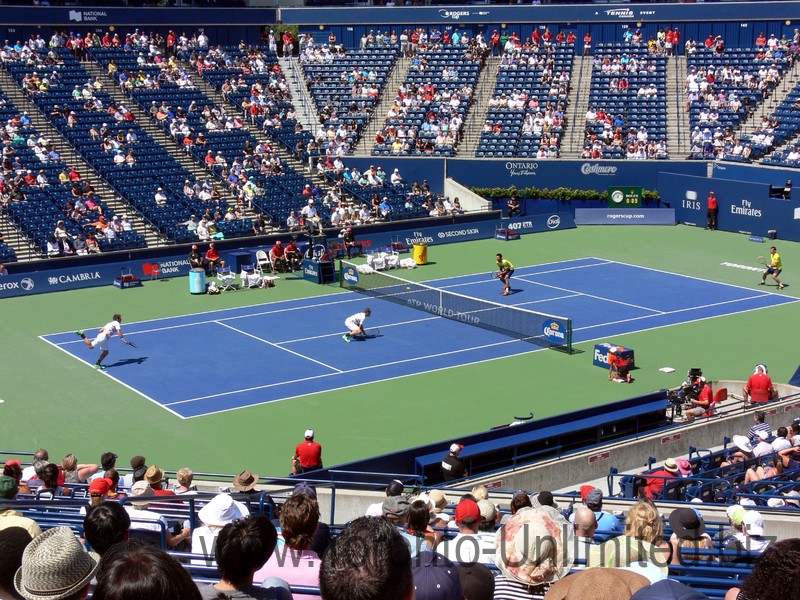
[484, 89]
[157, 133]
[285, 155]
[790, 80]
[378, 119]
[678, 128]
[303, 104]
[25, 250]
[581, 82]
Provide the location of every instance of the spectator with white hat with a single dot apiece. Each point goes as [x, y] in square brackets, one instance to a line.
[221, 510]
[452, 467]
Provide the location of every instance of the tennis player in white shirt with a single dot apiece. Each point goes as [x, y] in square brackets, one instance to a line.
[355, 324]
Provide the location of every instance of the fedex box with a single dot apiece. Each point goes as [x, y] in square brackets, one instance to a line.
[601, 352]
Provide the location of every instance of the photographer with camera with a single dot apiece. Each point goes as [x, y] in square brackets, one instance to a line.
[703, 403]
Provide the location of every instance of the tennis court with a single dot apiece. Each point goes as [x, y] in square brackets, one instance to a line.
[293, 348]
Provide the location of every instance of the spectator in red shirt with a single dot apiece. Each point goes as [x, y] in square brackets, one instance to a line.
[712, 212]
[213, 259]
[277, 257]
[704, 402]
[587, 44]
[657, 480]
[307, 455]
[761, 384]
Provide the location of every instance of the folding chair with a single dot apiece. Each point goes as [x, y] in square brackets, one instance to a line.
[263, 263]
[227, 279]
[250, 278]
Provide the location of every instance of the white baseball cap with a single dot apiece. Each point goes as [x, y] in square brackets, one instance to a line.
[309, 433]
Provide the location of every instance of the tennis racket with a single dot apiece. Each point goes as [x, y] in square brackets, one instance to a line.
[373, 332]
[495, 274]
[130, 343]
[762, 261]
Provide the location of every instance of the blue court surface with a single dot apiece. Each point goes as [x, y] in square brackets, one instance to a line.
[283, 350]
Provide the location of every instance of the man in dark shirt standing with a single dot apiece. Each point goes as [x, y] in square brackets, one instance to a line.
[452, 467]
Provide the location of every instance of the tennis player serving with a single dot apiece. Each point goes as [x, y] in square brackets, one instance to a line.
[774, 267]
[505, 271]
[101, 341]
[355, 324]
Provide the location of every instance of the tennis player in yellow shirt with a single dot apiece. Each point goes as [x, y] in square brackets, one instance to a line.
[774, 267]
[505, 271]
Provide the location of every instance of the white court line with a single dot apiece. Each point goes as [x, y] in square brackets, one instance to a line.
[279, 347]
[712, 281]
[219, 320]
[366, 368]
[727, 314]
[122, 383]
[680, 310]
[558, 270]
[604, 299]
[380, 326]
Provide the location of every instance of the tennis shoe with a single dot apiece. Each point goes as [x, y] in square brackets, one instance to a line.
[79, 333]
[505, 293]
[100, 367]
[346, 338]
[760, 283]
[780, 286]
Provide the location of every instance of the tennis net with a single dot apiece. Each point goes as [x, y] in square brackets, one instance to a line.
[550, 331]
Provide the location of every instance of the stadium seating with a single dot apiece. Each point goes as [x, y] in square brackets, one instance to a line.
[519, 131]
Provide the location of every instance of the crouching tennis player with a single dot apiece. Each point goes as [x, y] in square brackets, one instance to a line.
[355, 324]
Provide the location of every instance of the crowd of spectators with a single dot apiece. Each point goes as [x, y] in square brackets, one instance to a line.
[722, 92]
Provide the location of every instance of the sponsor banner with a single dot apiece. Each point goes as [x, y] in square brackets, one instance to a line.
[601, 351]
[468, 231]
[57, 280]
[743, 206]
[624, 216]
[165, 16]
[591, 13]
[596, 175]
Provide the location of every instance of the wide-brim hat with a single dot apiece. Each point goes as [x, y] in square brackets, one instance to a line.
[535, 546]
[154, 475]
[245, 481]
[743, 443]
[617, 584]
[686, 523]
[54, 566]
[221, 510]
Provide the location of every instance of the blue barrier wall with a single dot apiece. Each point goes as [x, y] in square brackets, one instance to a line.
[525, 434]
[744, 207]
[68, 278]
[583, 175]
[754, 173]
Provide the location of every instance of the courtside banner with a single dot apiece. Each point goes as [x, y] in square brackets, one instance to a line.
[468, 231]
[624, 216]
[57, 280]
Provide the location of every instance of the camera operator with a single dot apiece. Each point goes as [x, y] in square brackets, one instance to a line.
[702, 403]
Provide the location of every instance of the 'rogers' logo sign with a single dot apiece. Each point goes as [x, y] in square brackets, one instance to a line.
[597, 169]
